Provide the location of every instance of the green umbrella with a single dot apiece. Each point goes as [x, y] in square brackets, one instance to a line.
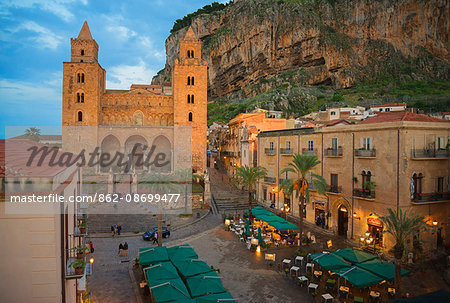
[247, 228]
[355, 256]
[260, 239]
[330, 261]
[189, 268]
[223, 297]
[170, 291]
[182, 252]
[359, 277]
[382, 269]
[204, 285]
[160, 272]
[149, 256]
[283, 226]
[270, 218]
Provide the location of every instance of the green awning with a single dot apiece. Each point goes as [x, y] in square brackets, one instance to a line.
[359, 277]
[190, 268]
[329, 261]
[149, 256]
[355, 256]
[204, 285]
[270, 218]
[182, 252]
[223, 297]
[160, 272]
[170, 291]
[283, 226]
[382, 269]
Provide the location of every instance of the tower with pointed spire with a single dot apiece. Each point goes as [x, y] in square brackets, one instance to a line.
[84, 48]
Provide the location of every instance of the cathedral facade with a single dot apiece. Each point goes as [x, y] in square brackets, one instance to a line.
[168, 117]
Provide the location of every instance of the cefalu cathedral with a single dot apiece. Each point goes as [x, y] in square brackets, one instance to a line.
[171, 117]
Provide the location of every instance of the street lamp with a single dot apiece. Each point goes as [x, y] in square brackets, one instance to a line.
[91, 260]
[435, 222]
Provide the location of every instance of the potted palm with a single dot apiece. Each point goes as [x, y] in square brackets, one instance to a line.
[79, 250]
[78, 265]
[82, 226]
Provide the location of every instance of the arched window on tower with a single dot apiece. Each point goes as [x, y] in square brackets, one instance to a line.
[80, 97]
[80, 116]
[190, 54]
[189, 81]
[78, 77]
[190, 117]
[192, 80]
[82, 78]
[192, 99]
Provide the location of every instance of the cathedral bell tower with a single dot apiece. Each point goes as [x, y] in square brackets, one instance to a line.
[189, 87]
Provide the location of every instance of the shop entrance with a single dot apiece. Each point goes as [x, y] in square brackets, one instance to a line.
[319, 214]
[342, 221]
[375, 227]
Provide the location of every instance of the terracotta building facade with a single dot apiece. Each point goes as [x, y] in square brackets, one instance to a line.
[182, 105]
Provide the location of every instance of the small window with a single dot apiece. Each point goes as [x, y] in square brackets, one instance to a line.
[388, 109]
[192, 99]
[190, 117]
[82, 78]
[82, 52]
[78, 77]
[287, 145]
[310, 145]
[333, 113]
[81, 60]
[189, 81]
[80, 117]
[271, 145]
[192, 80]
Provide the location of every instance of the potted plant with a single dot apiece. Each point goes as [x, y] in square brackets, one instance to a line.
[79, 250]
[355, 179]
[78, 265]
[82, 226]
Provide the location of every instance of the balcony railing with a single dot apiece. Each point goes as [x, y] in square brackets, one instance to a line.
[430, 197]
[430, 153]
[75, 255]
[334, 189]
[270, 180]
[365, 153]
[336, 152]
[309, 151]
[364, 193]
[269, 151]
[285, 151]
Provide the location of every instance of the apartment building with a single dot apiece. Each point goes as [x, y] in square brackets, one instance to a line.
[39, 239]
[241, 138]
[393, 160]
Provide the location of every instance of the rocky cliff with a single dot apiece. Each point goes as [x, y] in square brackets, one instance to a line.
[251, 43]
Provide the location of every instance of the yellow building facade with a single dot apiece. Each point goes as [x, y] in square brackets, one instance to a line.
[368, 167]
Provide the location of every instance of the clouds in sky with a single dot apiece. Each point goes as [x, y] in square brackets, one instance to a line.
[122, 76]
[43, 37]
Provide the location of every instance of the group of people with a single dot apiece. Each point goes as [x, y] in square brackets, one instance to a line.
[320, 220]
[123, 249]
[115, 229]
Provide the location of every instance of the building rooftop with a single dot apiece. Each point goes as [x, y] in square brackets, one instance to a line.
[383, 117]
[391, 104]
[14, 155]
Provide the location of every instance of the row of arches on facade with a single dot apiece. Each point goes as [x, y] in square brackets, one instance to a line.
[138, 119]
[111, 144]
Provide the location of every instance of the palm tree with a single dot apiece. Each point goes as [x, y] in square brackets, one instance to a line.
[401, 226]
[302, 164]
[248, 176]
[33, 133]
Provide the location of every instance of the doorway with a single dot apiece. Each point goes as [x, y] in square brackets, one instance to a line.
[342, 221]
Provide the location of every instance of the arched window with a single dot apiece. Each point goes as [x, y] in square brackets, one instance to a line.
[80, 97]
[80, 116]
[192, 99]
[188, 99]
[78, 77]
[82, 78]
[417, 184]
[190, 54]
[82, 52]
[190, 117]
[190, 80]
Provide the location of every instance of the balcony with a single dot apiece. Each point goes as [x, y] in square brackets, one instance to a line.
[309, 151]
[330, 152]
[285, 151]
[269, 151]
[365, 153]
[364, 193]
[75, 255]
[270, 180]
[334, 189]
[431, 197]
[430, 153]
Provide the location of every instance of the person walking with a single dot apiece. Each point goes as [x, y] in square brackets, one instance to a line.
[120, 248]
[155, 237]
[119, 228]
[125, 249]
[91, 246]
[113, 230]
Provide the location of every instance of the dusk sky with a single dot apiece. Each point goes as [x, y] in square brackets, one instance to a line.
[35, 41]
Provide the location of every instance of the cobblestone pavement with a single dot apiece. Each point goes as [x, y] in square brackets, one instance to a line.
[110, 281]
[245, 274]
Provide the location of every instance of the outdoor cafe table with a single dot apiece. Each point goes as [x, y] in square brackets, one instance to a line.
[286, 261]
[327, 297]
[374, 294]
[311, 265]
[300, 259]
[303, 279]
[313, 286]
[295, 269]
